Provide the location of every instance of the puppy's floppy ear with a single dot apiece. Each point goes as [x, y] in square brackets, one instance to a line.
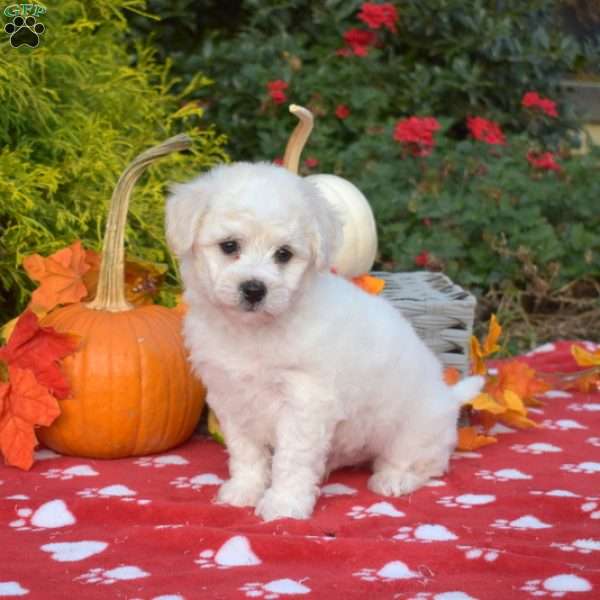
[328, 229]
[186, 204]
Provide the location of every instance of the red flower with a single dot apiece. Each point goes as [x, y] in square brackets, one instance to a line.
[311, 162]
[544, 161]
[359, 41]
[342, 112]
[379, 15]
[416, 133]
[534, 100]
[485, 131]
[277, 90]
[423, 259]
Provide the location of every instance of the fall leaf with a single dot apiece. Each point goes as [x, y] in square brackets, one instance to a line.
[490, 345]
[370, 284]
[584, 358]
[39, 349]
[521, 379]
[7, 329]
[470, 439]
[26, 403]
[451, 375]
[60, 276]
[143, 279]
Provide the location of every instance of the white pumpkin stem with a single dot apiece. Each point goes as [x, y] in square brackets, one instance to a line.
[110, 295]
[297, 141]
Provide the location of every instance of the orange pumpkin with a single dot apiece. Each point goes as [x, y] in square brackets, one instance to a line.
[133, 392]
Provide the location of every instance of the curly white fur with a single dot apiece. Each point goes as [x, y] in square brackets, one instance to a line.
[317, 374]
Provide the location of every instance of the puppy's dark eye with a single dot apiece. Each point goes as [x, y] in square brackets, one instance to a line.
[283, 255]
[229, 246]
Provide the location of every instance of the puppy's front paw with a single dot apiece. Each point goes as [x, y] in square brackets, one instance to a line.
[274, 505]
[395, 483]
[240, 492]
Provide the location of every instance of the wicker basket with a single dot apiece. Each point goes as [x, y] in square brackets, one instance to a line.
[441, 312]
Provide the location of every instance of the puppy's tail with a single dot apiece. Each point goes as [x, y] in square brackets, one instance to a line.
[468, 388]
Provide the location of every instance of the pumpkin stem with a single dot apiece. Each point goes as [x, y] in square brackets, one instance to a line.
[110, 295]
[297, 140]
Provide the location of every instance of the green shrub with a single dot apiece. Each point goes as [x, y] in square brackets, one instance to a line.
[75, 111]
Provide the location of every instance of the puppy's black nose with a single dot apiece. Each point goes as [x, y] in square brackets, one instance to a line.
[253, 291]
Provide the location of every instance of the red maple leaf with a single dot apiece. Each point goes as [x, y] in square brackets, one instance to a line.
[25, 404]
[40, 349]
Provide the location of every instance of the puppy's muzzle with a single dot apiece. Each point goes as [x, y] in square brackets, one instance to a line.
[252, 292]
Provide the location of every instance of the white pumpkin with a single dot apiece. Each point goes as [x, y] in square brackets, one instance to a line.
[356, 254]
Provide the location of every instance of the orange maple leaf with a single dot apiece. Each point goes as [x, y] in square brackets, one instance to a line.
[370, 284]
[60, 276]
[519, 378]
[40, 349]
[490, 345]
[584, 358]
[470, 439]
[26, 404]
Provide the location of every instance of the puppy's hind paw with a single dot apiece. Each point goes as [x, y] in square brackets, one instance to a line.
[279, 506]
[240, 492]
[395, 483]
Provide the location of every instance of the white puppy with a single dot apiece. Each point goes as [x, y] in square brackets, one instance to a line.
[305, 372]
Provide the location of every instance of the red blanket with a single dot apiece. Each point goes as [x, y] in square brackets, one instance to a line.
[517, 519]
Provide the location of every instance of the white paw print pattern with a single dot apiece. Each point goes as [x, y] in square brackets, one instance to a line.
[454, 595]
[110, 576]
[556, 493]
[197, 482]
[588, 467]
[235, 552]
[502, 475]
[562, 424]
[591, 508]
[391, 571]
[159, 462]
[74, 551]
[12, 588]
[466, 500]
[594, 441]
[583, 546]
[70, 472]
[274, 589]
[425, 533]
[379, 509]
[50, 515]
[557, 586]
[535, 448]
[584, 407]
[522, 523]
[473, 553]
[337, 489]
[118, 491]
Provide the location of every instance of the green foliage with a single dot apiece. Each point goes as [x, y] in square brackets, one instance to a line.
[75, 111]
[485, 215]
